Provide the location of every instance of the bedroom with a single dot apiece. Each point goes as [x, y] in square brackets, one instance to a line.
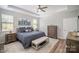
[21, 16]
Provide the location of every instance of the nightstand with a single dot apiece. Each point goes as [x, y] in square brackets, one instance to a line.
[1, 47]
[10, 38]
[2, 41]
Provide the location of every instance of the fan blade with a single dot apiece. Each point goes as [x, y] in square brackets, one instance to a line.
[37, 10]
[42, 10]
[39, 6]
[43, 7]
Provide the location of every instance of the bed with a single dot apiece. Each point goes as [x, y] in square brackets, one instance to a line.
[26, 37]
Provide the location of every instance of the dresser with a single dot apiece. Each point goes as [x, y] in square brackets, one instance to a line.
[72, 43]
[52, 31]
[2, 41]
[10, 38]
[1, 47]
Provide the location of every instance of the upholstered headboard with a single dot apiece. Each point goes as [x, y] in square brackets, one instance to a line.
[23, 29]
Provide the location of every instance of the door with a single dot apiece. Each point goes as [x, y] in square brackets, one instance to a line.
[69, 25]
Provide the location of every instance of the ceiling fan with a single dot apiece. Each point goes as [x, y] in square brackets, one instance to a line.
[42, 8]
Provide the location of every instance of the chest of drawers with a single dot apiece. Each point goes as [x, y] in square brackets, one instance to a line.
[10, 37]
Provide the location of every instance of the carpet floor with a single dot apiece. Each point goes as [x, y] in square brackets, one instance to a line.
[16, 47]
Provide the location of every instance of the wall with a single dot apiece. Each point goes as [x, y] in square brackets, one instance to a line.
[16, 19]
[17, 16]
[78, 22]
[0, 21]
[56, 19]
[69, 25]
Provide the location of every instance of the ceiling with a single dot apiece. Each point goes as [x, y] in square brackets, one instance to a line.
[50, 9]
[32, 9]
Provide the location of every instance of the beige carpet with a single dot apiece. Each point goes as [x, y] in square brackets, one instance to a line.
[16, 47]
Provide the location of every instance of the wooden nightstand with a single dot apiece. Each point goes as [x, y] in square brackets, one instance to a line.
[1, 48]
[2, 41]
[10, 38]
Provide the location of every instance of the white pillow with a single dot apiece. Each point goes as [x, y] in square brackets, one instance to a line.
[27, 30]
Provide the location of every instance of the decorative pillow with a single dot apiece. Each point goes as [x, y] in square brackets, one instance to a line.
[26, 30]
[29, 29]
[21, 29]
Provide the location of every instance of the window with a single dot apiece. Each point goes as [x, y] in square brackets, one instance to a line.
[34, 24]
[7, 22]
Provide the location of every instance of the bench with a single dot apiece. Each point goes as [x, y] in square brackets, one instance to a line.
[40, 42]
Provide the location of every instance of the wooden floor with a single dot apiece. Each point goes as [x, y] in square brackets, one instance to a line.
[61, 48]
[17, 47]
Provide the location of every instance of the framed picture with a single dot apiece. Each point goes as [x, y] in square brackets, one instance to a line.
[24, 22]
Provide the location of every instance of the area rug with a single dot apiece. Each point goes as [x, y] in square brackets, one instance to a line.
[16, 47]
